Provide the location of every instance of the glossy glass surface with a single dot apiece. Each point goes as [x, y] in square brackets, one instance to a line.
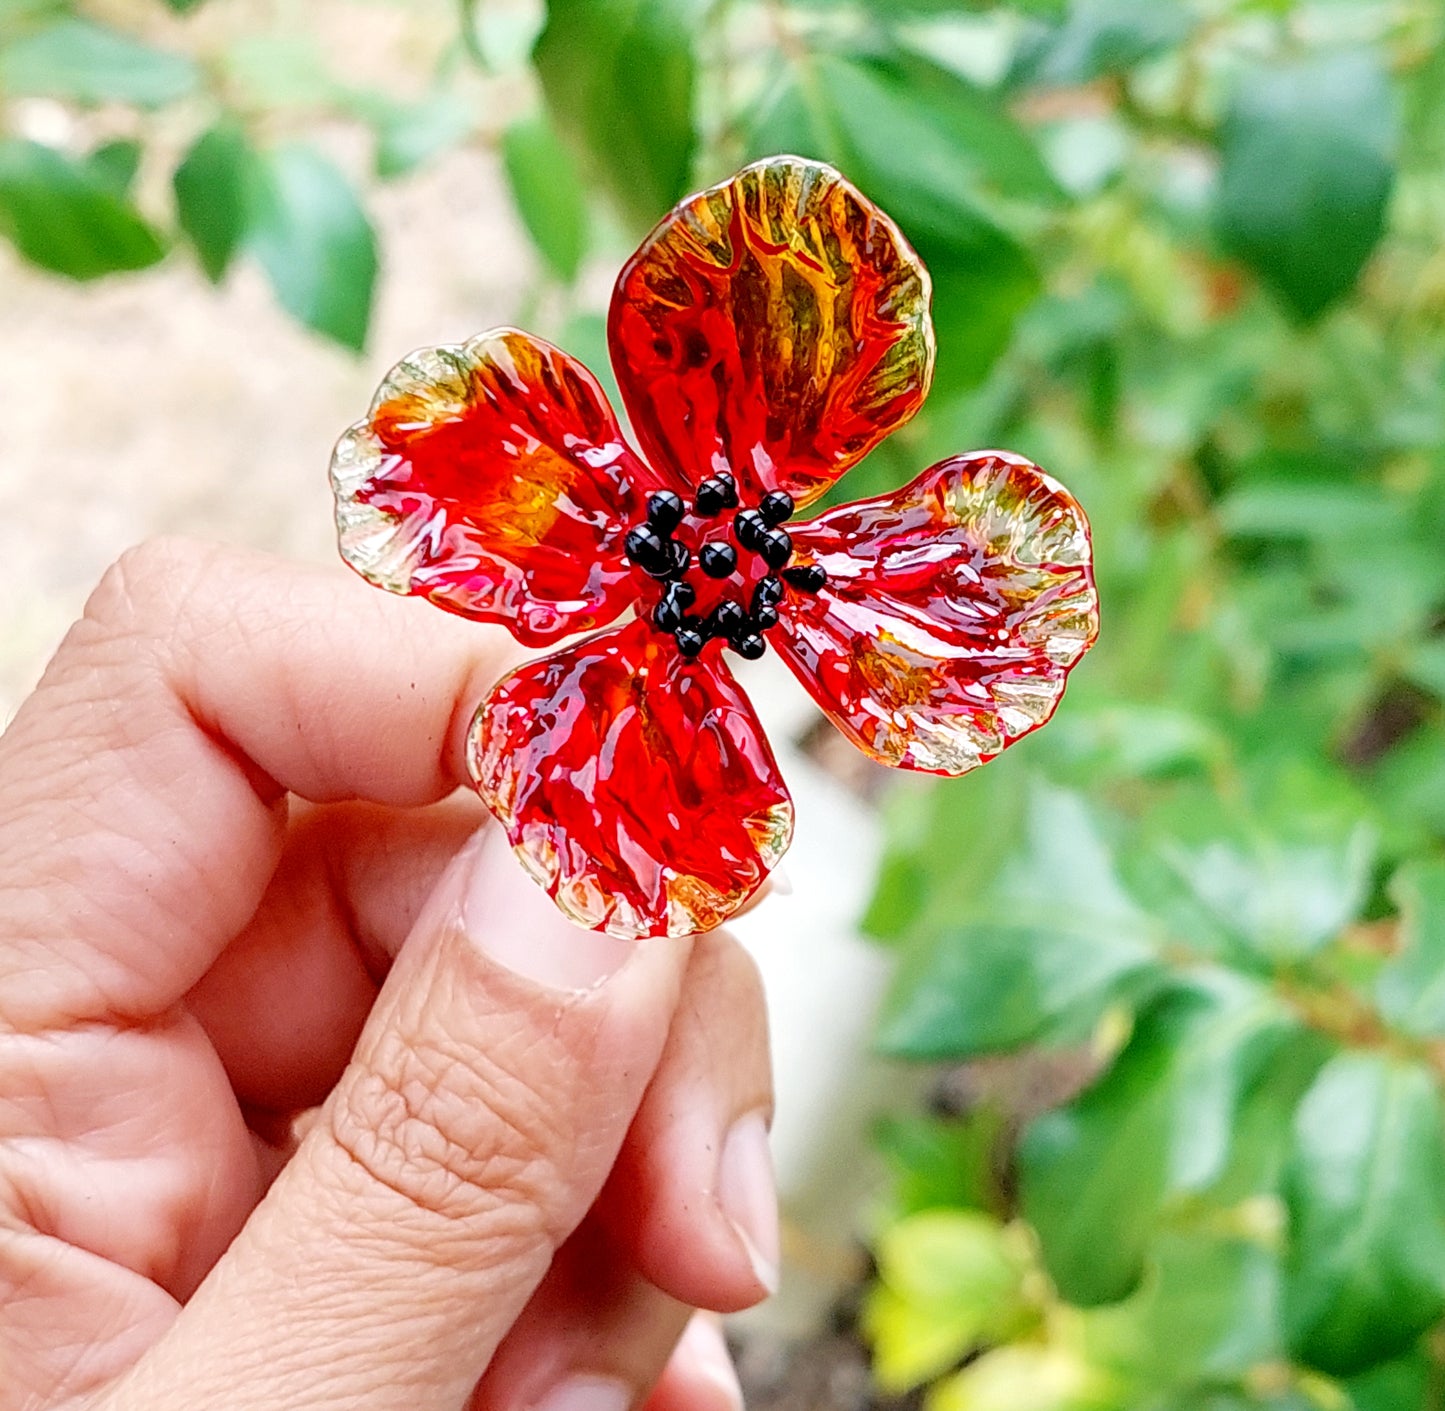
[775, 326]
[953, 612]
[493, 479]
[635, 786]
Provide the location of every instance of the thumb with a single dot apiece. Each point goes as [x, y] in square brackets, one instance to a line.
[476, 1124]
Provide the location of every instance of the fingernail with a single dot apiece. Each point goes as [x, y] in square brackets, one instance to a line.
[705, 1352]
[587, 1394]
[747, 1194]
[514, 922]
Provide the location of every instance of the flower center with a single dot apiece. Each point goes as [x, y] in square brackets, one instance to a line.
[718, 580]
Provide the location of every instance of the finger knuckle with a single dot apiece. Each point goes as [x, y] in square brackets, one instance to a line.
[144, 586]
[452, 1134]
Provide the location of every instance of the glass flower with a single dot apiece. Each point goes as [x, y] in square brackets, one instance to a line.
[766, 336]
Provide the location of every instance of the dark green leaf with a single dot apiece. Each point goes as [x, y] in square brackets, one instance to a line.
[1308, 164]
[314, 241]
[184, 7]
[87, 63]
[1402, 1385]
[211, 187]
[1095, 1174]
[1410, 990]
[115, 164]
[64, 216]
[1366, 1194]
[548, 193]
[618, 76]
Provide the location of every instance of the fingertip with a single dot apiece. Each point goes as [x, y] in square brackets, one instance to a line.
[699, 1375]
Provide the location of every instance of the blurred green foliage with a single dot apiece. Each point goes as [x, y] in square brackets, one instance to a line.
[1191, 257]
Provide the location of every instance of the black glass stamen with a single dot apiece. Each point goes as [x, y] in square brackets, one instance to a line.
[665, 511]
[768, 593]
[776, 506]
[808, 577]
[776, 547]
[717, 560]
[689, 640]
[749, 527]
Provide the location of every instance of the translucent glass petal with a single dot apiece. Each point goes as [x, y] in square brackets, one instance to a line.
[637, 787]
[953, 612]
[492, 478]
[775, 326]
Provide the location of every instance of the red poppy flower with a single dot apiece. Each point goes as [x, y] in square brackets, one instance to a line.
[766, 336]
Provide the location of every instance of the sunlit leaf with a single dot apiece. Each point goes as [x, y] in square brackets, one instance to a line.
[947, 1280]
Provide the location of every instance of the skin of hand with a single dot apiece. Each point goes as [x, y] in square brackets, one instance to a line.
[309, 1098]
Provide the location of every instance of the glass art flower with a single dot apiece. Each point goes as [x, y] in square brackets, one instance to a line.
[766, 336]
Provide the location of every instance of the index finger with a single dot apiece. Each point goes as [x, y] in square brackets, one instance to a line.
[143, 785]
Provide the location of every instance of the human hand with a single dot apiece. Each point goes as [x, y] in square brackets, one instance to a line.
[247, 1161]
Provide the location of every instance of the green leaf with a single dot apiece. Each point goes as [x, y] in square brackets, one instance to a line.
[1207, 1311]
[548, 192]
[1057, 940]
[948, 1279]
[1307, 167]
[1366, 1194]
[211, 186]
[314, 241]
[408, 135]
[1102, 37]
[1036, 1376]
[114, 164]
[1410, 990]
[1425, 666]
[618, 77]
[88, 63]
[1393, 1386]
[184, 7]
[1161, 1123]
[938, 1162]
[67, 217]
[1271, 880]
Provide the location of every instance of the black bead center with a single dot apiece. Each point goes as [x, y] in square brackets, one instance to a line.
[654, 549]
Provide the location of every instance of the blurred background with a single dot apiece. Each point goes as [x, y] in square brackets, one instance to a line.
[1148, 1116]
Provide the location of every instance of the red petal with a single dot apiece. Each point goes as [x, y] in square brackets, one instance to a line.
[636, 786]
[777, 326]
[492, 478]
[953, 612]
